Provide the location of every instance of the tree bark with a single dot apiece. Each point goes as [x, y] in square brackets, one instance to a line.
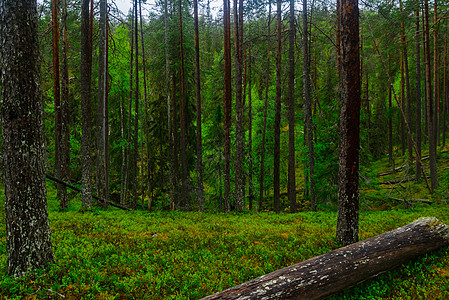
[65, 107]
[227, 98]
[239, 116]
[183, 123]
[430, 127]
[418, 94]
[264, 131]
[308, 107]
[136, 108]
[101, 104]
[277, 112]
[348, 187]
[324, 275]
[62, 192]
[199, 140]
[28, 241]
[291, 111]
[250, 133]
[85, 77]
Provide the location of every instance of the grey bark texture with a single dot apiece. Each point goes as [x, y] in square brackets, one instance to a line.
[324, 275]
[28, 241]
[86, 72]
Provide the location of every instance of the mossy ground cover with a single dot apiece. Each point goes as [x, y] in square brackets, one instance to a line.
[163, 255]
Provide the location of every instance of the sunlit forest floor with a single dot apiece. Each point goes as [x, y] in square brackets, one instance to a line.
[115, 254]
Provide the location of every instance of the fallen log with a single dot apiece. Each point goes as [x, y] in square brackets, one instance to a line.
[52, 178]
[427, 201]
[342, 268]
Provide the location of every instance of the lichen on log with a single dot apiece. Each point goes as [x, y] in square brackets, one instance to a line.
[324, 275]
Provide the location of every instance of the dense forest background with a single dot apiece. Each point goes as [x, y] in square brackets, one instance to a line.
[162, 137]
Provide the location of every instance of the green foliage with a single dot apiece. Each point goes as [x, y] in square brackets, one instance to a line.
[172, 255]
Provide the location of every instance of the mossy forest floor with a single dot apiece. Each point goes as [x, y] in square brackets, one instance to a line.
[115, 254]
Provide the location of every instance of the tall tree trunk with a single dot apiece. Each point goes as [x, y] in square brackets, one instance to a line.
[250, 134]
[418, 94]
[123, 151]
[136, 111]
[308, 107]
[147, 134]
[239, 116]
[291, 111]
[446, 92]
[390, 122]
[277, 113]
[436, 81]
[28, 241]
[227, 103]
[407, 86]
[199, 141]
[85, 77]
[175, 146]
[430, 127]
[264, 131]
[62, 192]
[167, 92]
[65, 108]
[348, 187]
[402, 107]
[183, 122]
[101, 104]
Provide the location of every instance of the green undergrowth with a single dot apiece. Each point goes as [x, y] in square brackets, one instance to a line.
[171, 255]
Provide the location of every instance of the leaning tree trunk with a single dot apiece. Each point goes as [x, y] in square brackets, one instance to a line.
[348, 173]
[324, 275]
[28, 242]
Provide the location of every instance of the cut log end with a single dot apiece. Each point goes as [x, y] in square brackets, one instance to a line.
[324, 275]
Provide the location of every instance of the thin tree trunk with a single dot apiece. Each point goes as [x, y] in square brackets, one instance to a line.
[199, 141]
[308, 108]
[136, 105]
[402, 108]
[291, 111]
[277, 112]
[430, 128]
[390, 122]
[227, 103]
[239, 116]
[167, 91]
[250, 134]
[348, 188]
[65, 108]
[175, 146]
[101, 104]
[446, 92]
[62, 192]
[183, 123]
[28, 237]
[418, 94]
[436, 81]
[264, 131]
[123, 150]
[85, 77]
[147, 134]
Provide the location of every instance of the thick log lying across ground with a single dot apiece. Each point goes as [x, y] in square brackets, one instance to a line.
[334, 271]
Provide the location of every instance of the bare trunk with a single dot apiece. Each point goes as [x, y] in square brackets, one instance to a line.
[199, 140]
[264, 131]
[348, 187]
[277, 112]
[227, 103]
[250, 134]
[86, 71]
[136, 110]
[291, 111]
[28, 240]
[418, 94]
